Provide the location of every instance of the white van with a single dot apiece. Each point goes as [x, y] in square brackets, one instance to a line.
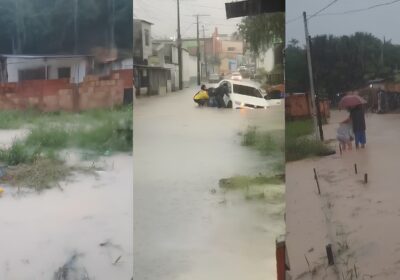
[244, 94]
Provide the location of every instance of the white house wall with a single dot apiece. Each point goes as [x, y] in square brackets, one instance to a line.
[189, 68]
[78, 67]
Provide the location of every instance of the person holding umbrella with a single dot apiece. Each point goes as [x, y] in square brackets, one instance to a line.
[354, 104]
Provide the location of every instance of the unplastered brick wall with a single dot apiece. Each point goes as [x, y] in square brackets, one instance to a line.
[59, 95]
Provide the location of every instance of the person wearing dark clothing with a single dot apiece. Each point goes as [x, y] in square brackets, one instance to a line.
[357, 118]
[219, 95]
[357, 121]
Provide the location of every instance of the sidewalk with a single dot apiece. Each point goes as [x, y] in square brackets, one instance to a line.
[358, 219]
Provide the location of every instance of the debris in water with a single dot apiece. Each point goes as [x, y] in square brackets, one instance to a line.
[213, 191]
[70, 270]
[117, 260]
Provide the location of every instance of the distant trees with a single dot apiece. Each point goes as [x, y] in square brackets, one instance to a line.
[52, 26]
[340, 63]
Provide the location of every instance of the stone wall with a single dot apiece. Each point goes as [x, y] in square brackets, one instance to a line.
[59, 95]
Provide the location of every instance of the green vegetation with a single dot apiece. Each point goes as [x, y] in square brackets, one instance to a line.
[269, 143]
[269, 189]
[239, 182]
[341, 63]
[42, 173]
[265, 142]
[262, 31]
[299, 145]
[48, 26]
[35, 160]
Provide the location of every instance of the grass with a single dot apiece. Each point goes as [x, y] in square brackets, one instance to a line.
[296, 129]
[42, 173]
[298, 143]
[268, 143]
[269, 189]
[35, 161]
[240, 182]
[265, 142]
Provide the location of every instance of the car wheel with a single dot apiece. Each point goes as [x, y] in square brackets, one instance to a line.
[229, 104]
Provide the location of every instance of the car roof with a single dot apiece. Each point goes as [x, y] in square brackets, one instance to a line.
[243, 83]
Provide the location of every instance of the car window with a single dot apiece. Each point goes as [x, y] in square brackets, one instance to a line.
[246, 90]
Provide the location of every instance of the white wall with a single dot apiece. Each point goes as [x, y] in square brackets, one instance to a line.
[123, 64]
[77, 65]
[189, 67]
[174, 54]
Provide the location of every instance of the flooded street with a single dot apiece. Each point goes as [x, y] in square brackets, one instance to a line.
[349, 210]
[184, 229]
[84, 227]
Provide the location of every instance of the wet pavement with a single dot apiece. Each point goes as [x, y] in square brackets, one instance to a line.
[183, 230]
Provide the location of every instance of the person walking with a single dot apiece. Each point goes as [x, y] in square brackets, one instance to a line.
[357, 119]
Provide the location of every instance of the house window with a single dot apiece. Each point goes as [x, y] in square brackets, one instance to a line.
[146, 37]
[64, 72]
[32, 74]
[231, 49]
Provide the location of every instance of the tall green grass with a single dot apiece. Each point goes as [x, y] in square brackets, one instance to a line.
[298, 143]
[266, 142]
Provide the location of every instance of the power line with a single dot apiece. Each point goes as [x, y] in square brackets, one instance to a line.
[294, 19]
[323, 9]
[361, 10]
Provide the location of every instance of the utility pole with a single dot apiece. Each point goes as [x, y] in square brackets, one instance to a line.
[310, 74]
[205, 54]
[198, 47]
[75, 26]
[198, 51]
[179, 48]
[317, 99]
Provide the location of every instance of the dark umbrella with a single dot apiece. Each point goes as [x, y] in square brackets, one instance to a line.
[349, 101]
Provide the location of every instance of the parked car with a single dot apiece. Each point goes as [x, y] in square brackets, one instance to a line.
[236, 76]
[244, 95]
[214, 78]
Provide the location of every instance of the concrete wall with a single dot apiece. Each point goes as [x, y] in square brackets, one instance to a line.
[60, 95]
[78, 67]
[123, 64]
[189, 68]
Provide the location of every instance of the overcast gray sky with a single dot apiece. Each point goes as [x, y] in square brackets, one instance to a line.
[380, 21]
[163, 14]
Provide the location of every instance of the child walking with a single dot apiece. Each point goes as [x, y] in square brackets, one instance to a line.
[345, 135]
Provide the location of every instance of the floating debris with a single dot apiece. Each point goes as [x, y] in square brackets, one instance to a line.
[71, 271]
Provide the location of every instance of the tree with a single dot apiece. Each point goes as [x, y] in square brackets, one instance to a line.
[47, 26]
[263, 31]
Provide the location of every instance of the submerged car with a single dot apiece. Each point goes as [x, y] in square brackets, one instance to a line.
[275, 97]
[244, 95]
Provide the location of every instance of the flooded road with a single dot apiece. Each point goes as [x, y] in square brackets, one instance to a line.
[86, 225]
[183, 229]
